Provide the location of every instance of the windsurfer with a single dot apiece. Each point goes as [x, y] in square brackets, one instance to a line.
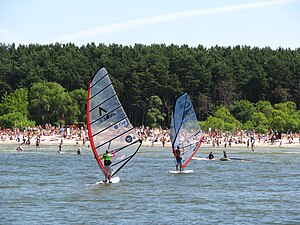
[211, 156]
[225, 158]
[178, 157]
[225, 155]
[107, 164]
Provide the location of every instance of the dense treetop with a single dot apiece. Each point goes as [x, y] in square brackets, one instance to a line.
[213, 77]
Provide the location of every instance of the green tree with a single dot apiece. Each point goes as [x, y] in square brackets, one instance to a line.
[49, 103]
[264, 107]
[213, 123]
[15, 119]
[17, 101]
[242, 110]
[154, 115]
[223, 113]
[14, 110]
[277, 121]
[230, 123]
[288, 112]
[260, 122]
[79, 98]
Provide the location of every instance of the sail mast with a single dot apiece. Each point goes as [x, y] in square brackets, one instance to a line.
[90, 131]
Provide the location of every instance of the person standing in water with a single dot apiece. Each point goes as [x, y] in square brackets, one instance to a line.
[107, 164]
[177, 154]
[59, 148]
[225, 155]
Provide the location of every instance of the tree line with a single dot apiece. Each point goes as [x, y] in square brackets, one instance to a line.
[52, 80]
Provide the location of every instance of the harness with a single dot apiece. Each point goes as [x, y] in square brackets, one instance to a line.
[107, 159]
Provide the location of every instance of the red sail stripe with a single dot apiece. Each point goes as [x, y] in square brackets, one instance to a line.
[197, 148]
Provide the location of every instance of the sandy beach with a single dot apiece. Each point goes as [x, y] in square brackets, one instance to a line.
[57, 139]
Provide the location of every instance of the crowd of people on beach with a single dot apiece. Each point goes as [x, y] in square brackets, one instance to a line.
[152, 137]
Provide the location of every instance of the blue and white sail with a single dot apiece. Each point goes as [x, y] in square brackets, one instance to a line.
[185, 129]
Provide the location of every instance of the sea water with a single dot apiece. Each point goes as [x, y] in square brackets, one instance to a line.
[44, 187]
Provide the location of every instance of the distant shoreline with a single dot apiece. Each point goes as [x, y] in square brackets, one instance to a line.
[56, 140]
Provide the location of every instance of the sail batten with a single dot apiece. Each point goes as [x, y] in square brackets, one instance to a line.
[107, 114]
[108, 125]
[102, 90]
[110, 140]
[97, 81]
[185, 129]
[103, 102]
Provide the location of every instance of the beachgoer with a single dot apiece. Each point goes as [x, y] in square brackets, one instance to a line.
[107, 164]
[211, 155]
[178, 157]
[78, 151]
[37, 143]
[163, 140]
[225, 155]
[28, 141]
[59, 148]
[252, 146]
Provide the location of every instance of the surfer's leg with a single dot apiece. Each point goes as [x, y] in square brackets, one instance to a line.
[109, 177]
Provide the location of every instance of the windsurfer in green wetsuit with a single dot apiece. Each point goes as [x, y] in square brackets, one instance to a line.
[107, 164]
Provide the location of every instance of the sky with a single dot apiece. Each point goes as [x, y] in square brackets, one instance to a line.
[255, 23]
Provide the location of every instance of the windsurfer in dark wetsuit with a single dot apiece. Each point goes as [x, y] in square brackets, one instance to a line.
[225, 158]
[177, 154]
[107, 162]
[211, 156]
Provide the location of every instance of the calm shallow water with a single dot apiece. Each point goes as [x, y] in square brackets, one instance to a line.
[44, 187]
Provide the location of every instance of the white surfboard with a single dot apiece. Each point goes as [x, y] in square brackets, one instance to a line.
[198, 158]
[183, 171]
[113, 180]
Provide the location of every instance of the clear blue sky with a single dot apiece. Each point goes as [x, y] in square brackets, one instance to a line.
[273, 23]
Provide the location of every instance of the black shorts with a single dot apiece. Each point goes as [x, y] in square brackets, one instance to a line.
[179, 160]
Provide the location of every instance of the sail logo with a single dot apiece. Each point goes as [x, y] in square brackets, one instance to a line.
[102, 111]
[122, 123]
[189, 118]
[107, 116]
[128, 138]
